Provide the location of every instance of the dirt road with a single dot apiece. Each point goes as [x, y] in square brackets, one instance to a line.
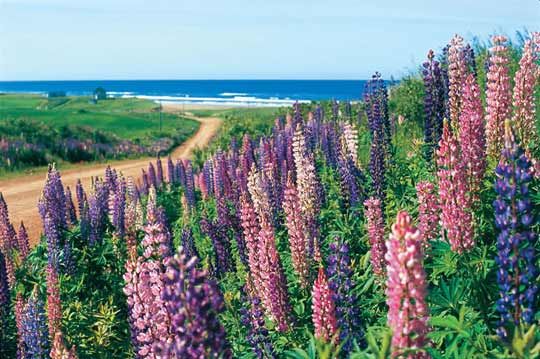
[22, 193]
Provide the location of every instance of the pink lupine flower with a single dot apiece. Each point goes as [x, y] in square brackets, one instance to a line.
[456, 216]
[59, 349]
[428, 211]
[22, 240]
[350, 141]
[375, 228]
[472, 136]
[324, 310]
[498, 94]
[54, 306]
[251, 229]
[274, 294]
[457, 71]
[296, 228]
[406, 290]
[525, 84]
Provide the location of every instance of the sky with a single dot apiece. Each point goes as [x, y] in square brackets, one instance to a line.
[240, 39]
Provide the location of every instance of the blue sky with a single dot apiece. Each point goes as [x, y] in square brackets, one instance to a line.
[239, 39]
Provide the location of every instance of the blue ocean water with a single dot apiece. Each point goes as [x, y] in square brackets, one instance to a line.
[211, 92]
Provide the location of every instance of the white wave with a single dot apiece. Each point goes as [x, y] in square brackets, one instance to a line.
[229, 94]
[237, 101]
[120, 93]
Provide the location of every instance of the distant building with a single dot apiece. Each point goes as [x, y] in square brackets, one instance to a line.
[100, 94]
[53, 94]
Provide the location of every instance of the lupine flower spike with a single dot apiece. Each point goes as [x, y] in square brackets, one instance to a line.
[406, 290]
[324, 311]
[375, 227]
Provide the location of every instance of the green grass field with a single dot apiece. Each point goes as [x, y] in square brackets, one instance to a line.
[132, 119]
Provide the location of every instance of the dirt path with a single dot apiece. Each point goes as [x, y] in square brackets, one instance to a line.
[22, 193]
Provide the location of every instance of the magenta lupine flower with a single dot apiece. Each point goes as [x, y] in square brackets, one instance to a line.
[296, 228]
[457, 71]
[308, 190]
[193, 302]
[375, 228]
[498, 96]
[54, 306]
[20, 303]
[428, 212]
[406, 290]
[24, 243]
[274, 295]
[148, 316]
[525, 86]
[71, 215]
[456, 216]
[324, 310]
[472, 136]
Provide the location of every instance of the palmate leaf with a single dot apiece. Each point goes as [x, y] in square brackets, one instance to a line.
[449, 296]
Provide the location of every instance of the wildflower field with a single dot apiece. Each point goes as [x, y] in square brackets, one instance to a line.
[404, 225]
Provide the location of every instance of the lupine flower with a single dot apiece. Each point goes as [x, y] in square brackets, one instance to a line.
[190, 184]
[516, 240]
[296, 228]
[34, 333]
[324, 311]
[308, 190]
[470, 59]
[251, 229]
[456, 216]
[193, 302]
[375, 228]
[54, 306]
[498, 96]
[68, 259]
[252, 317]
[159, 174]
[84, 220]
[377, 168]
[145, 186]
[4, 298]
[457, 71]
[20, 304]
[180, 172]
[149, 319]
[53, 200]
[110, 179]
[8, 241]
[220, 242]
[97, 205]
[171, 173]
[349, 137]
[81, 196]
[117, 207]
[71, 215]
[22, 240]
[406, 290]
[428, 211]
[472, 136]
[152, 179]
[188, 243]
[351, 177]
[434, 107]
[59, 349]
[274, 294]
[376, 100]
[341, 284]
[53, 242]
[525, 82]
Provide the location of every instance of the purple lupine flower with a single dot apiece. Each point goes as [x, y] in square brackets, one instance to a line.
[376, 100]
[222, 250]
[434, 103]
[23, 241]
[145, 185]
[188, 243]
[4, 293]
[117, 207]
[190, 184]
[110, 178]
[81, 196]
[171, 173]
[53, 242]
[159, 174]
[97, 203]
[516, 258]
[180, 172]
[152, 179]
[53, 200]
[207, 177]
[68, 259]
[349, 182]
[20, 304]
[341, 284]
[252, 318]
[34, 329]
[71, 215]
[84, 219]
[8, 241]
[193, 302]
[470, 59]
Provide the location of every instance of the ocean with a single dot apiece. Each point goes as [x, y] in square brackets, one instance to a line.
[204, 92]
